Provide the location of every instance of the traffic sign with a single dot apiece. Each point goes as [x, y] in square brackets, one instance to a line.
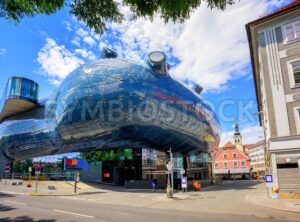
[269, 178]
[182, 171]
[7, 168]
[170, 166]
[184, 182]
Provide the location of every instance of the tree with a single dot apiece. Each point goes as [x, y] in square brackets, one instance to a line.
[95, 13]
[21, 166]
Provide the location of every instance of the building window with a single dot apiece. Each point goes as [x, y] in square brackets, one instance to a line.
[292, 31]
[216, 166]
[297, 119]
[243, 164]
[225, 156]
[296, 71]
[235, 165]
[225, 165]
[234, 155]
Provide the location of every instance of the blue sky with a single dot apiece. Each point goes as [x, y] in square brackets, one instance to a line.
[210, 49]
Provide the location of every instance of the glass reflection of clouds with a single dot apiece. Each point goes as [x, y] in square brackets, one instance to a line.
[156, 110]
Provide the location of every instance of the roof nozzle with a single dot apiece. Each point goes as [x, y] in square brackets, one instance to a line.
[197, 88]
[157, 62]
[108, 53]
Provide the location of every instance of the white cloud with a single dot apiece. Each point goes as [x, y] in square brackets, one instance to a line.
[67, 25]
[211, 46]
[85, 36]
[89, 40]
[85, 53]
[57, 61]
[250, 135]
[76, 41]
[3, 52]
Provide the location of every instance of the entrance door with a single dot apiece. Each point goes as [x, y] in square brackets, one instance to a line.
[119, 176]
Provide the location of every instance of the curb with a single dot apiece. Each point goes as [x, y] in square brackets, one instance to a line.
[58, 195]
[270, 206]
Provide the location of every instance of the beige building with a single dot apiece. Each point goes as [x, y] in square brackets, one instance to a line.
[275, 52]
[257, 157]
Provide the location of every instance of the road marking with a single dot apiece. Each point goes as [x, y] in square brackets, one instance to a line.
[76, 198]
[11, 192]
[15, 202]
[76, 214]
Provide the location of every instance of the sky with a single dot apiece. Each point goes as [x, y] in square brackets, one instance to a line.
[210, 48]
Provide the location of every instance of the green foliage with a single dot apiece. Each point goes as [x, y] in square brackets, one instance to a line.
[104, 155]
[15, 10]
[95, 13]
[21, 166]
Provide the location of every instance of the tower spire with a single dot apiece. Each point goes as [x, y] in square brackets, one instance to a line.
[236, 129]
[237, 137]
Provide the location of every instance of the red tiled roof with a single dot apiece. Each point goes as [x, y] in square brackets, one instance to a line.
[228, 145]
[290, 6]
[220, 155]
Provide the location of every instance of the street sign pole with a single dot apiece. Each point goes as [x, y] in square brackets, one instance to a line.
[7, 170]
[76, 180]
[172, 176]
[269, 182]
[36, 183]
[5, 178]
[38, 170]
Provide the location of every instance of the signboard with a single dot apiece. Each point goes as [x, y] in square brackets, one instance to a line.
[269, 180]
[38, 170]
[75, 164]
[7, 168]
[77, 176]
[184, 182]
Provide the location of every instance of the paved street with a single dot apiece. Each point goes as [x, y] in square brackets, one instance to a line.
[216, 203]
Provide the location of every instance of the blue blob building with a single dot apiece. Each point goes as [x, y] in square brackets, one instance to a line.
[110, 103]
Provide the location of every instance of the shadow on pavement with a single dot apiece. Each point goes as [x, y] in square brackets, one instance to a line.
[23, 219]
[5, 195]
[234, 185]
[110, 188]
[6, 208]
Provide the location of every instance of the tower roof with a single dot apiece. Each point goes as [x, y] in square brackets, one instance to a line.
[229, 145]
[236, 130]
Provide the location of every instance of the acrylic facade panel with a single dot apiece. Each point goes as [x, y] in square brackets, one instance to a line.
[111, 104]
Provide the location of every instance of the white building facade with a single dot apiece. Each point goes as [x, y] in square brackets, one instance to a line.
[275, 52]
[257, 158]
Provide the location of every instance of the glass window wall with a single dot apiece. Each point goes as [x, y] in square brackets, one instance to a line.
[23, 88]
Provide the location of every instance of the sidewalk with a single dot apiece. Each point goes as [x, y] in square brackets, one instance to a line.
[292, 205]
[50, 188]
